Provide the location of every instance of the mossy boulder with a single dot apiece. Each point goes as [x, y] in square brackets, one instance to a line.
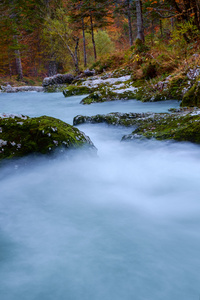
[73, 90]
[55, 88]
[20, 136]
[192, 96]
[177, 126]
[115, 118]
[181, 125]
[99, 96]
[107, 94]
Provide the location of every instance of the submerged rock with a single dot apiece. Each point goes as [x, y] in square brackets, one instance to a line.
[21, 135]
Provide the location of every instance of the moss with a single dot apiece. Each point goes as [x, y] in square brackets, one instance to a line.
[176, 127]
[148, 90]
[55, 88]
[20, 137]
[150, 70]
[176, 86]
[180, 126]
[140, 47]
[76, 90]
[192, 96]
[100, 96]
[124, 119]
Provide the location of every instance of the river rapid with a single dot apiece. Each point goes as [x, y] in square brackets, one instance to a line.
[120, 226]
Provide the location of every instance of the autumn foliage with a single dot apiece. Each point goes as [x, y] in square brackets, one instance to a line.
[43, 37]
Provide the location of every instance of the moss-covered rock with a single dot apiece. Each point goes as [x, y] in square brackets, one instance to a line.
[159, 89]
[192, 96]
[123, 119]
[55, 88]
[178, 126]
[20, 136]
[182, 125]
[107, 94]
[99, 96]
[73, 90]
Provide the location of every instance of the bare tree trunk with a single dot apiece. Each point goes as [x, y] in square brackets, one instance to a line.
[84, 45]
[76, 56]
[195, 10]
[9, 63]
[93, 41]
[140, 28]
[129, 23]
[18, 59]
[52, 68]
[172, 23]
[161, 28]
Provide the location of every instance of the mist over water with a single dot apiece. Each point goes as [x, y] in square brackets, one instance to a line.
[122, 225]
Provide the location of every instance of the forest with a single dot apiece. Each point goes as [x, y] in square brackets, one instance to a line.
[45, 37]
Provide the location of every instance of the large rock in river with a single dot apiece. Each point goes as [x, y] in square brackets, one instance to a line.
[58, 79]
[21, 135]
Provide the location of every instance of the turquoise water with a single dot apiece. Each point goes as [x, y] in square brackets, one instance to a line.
[123, 225]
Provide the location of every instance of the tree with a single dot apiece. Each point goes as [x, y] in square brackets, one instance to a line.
[126, 7]
[140, 28]
[59, 28]
[89, 15]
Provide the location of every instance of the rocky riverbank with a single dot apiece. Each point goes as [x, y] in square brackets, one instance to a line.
[10, 89]
[181, 86]
[180, 125]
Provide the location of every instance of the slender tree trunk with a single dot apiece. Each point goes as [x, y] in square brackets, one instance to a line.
[152, 31]
[9, 63]
[172, 23]
[76, 56]
[84, 44]
[195, 10]
[187, 9]
[18, 60]
[161, 28]
[140, 28]
[129, 23]
[93, 41]
[52, 68]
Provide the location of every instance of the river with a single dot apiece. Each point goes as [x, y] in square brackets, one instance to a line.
[120, 226]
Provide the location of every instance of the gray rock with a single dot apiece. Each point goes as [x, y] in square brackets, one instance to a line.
[89, 72]
[58, 79]
[16, 89]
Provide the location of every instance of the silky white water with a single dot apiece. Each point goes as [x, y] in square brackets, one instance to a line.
[123, 225]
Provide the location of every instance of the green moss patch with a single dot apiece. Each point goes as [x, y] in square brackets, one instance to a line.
[19, 137]
[107, 94]
[192, 97]
[176, 126]
[181, 126]
[76, 90]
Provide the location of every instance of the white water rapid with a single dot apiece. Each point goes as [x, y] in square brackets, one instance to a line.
[120, 226]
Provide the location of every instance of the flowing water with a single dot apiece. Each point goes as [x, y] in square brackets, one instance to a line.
[120, 226]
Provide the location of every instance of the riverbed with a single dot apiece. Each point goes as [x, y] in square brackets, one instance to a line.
[120, 225]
